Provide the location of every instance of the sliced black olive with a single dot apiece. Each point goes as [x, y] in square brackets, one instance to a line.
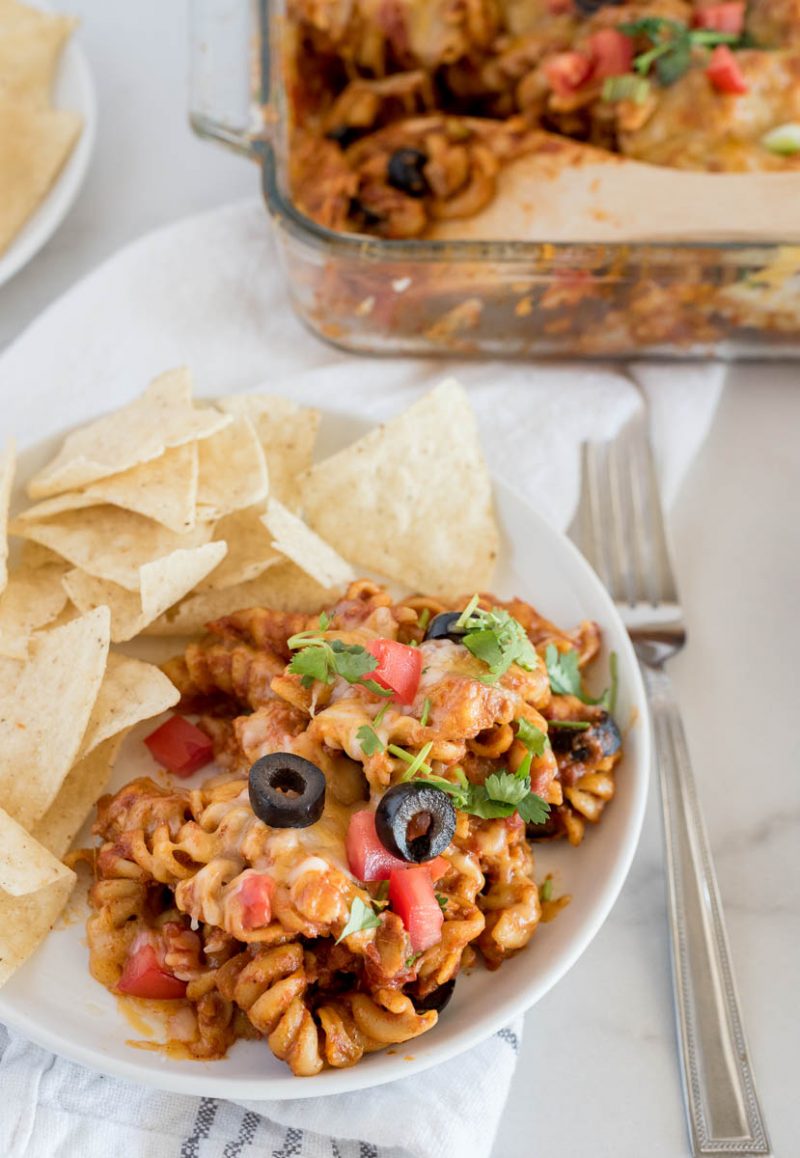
[415, 821]
[588, 7]
[344, 135]
[437, 999]
[405, 172]
[547, 830]
[607, 734]
[441, 627]
[287, 791]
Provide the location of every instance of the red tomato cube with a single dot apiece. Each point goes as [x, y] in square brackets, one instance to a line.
[411, 896]
[399, 668]
[724, 72]
[180, 747]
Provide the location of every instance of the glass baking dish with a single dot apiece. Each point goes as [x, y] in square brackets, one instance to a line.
[520, 299]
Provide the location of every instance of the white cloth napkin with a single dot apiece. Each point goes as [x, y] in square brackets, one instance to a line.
[207, 292]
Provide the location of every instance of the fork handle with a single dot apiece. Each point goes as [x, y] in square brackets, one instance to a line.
[721, 1101]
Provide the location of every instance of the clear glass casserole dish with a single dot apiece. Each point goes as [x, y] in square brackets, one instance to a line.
[493, 298]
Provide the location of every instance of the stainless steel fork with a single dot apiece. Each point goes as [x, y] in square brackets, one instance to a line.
[620, 529]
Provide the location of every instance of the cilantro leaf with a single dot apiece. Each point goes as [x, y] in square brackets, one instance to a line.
[565, 677]
[362, 916]
[318, 659]
[369, 739]
[442, 899]
[351, 661]
[324, 621]
[533, 809]
[534, 739]
[311, 664]
[509, 789]
[672, 44]
[497, 639]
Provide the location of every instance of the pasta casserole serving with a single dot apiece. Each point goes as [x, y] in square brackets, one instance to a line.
[385, 767]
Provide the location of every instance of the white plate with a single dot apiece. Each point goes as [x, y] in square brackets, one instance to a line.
[73, 90]
[54, 1001]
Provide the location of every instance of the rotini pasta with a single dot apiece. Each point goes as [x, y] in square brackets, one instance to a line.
[322, 936]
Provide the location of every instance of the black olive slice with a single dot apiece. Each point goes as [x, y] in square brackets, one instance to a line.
[607, 734]
[287, 791]
[441, 627]
[437, 999]
[405, 172]
[415, 821]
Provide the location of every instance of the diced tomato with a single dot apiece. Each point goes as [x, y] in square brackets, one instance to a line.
[724, 73]
[370, 861]
[399, 668]
[144, 974]
[180, 747]
[721, 17]
[612, 53]
[255, 898]
[567, 71]
[411, 896]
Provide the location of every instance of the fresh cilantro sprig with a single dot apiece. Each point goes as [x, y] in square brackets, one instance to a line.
[563, 670]
[546, 889]
[496, 638]
[672, 43]
[570, 725]
[322, 659]
[362, 916]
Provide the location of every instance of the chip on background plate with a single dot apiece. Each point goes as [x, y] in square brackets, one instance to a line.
[8, 463]
[85, 783]
[110, 543]
[30, 46]
[162, 584]
[164, 416]
[33, 598]
[34, 887]
[131, 691]
[44, 715]
[233, 470]
[412, 500]
[163, 489]
[283, 587]
[287, 432]
[250, 550]
[305, 548]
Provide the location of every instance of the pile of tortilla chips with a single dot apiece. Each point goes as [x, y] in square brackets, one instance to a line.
[35, 138]
[163, 516]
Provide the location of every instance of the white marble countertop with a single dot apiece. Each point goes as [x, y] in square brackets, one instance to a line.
[598, 1073]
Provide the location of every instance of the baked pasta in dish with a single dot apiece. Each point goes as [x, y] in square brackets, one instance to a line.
[382, 769]
[404, 111]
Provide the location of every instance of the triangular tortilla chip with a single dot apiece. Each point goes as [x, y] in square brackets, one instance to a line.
[8, 463]
[85, 783]
[163, 489]
[131, 691]
[249, 550]
[287, 432]
[30, 46]
[45, 715]
[162, 417]
[32, 599]
[34, 144]
[163, 583]
[305, 548]
[34, 887]
[112, 544]
[284, 587]
[412, 500]
[233, 471]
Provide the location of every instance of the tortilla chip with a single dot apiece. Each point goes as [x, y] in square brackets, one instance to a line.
[34, 144]
[163, 583]
[163, 417]
[163, 489]
[412, 500]
[45, 715]
[110, 543]
[287, 432]
[249, 550]
[284, 587]
[85, 784]
[34, 887]
[31, 42]
[305, 548]
[32, 599]
[131, 691]
[8, 464]
[233, 471]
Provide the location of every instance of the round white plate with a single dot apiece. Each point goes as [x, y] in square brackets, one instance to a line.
[73, 90]
[54, 1001]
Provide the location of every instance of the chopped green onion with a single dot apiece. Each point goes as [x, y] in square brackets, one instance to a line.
[783, 140]
[626, 88]
[426, 711]
[378, 718]
[423, 619]
[546, 889]
[466, 614]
